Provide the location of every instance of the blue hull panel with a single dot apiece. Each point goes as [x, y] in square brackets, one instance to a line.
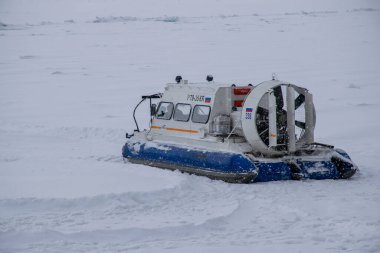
[272, 171]
[204, 162]
[214, 161]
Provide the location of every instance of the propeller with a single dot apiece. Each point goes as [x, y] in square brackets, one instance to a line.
[277, 91]
[279, 98]
[300, 124]
[263, 125]
[262, 111]
[298, 101]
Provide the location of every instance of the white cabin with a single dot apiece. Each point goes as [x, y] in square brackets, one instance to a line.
[235, 118]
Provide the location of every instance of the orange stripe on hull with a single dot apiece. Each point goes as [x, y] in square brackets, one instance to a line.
[182, 130]
[177, 129]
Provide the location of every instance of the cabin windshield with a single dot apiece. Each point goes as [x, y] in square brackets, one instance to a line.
[201, 114]
[165, 110]
[182, 112]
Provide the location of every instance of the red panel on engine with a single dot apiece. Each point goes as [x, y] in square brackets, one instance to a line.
[241, 91]
[238, 103]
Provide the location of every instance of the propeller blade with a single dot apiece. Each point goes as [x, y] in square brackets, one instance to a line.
[300, 124]
[298, 101]
[262, 111]
[279, 98]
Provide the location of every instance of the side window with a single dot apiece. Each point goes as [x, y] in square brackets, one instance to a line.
[201, 114]
[182, 112]
[165, 110]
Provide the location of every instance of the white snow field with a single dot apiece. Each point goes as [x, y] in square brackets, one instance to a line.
[71, 73]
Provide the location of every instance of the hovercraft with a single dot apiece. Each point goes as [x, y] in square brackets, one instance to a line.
[239, 134]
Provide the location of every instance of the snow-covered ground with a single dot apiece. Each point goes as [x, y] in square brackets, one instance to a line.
[72, 71]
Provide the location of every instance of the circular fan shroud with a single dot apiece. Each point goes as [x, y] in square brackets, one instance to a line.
[249, 126]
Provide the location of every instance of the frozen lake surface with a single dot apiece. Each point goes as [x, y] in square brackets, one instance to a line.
[71, 73]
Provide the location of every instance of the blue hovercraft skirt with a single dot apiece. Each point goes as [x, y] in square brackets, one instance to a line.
[238, 167]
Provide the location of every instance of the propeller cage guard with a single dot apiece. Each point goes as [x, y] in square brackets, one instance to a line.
[269, 118]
